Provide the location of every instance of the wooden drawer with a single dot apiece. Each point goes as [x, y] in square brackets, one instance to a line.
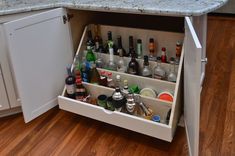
[158, 130]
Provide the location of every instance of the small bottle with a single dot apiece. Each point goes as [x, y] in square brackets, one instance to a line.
[121, 67]
[130, 104]
[131, 46]
[172, 75]
[146, 72]
[85, 70]
[118, 82]
[118, 99]
[163, 56]
[125, 90]
[110, 44]
[80, 90]
[159, 72]
[103, 79]
[111, 65]
[120, 50]
[97, 37]
[94, 74]
[90, 42]
[133, 67]
[90, 56]
[139, 48]
[178, 52]
[152, 50]
[110, 80]
[70, 84]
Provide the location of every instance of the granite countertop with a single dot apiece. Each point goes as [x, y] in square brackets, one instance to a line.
[153, 7]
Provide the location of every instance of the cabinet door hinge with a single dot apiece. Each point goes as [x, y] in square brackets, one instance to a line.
[66, 18]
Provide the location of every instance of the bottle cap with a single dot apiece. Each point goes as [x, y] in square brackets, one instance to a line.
[156, 118]
[125, 81]
[146, 58]
[151, 40]
[78, 80]
[139, 41]
[178, 43]
[163, 49]
[118, 77]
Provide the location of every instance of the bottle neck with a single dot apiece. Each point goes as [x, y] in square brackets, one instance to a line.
[111, 54]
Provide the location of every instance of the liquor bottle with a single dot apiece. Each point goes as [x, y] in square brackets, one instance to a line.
[152, 50]
[131, 46]
[130, 104]
[110, 80]
[85, 70]
[172, 75]
[125, 90]
[139, 48]
[120, 50]
[118, 82]
[90, 56]
[163, 56]
[97, 37]
[70, 84]
[111, 65]
[94, 74]
[133, 67]
[110, 44]
[118, 99]
[103, 79]
[90, 42]
[159, 72]
[178, 52]
[146, 72]
[80, 90]
[121, 67]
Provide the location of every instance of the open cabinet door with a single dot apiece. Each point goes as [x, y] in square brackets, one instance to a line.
[192, 87]
[40, 47]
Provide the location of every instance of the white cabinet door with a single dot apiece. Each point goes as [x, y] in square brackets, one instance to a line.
[4, 104]
[192, 78]
[40, 47]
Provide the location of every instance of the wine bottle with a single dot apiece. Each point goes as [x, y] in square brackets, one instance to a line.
[146, 72]
[133, 67]
[110, 44]
[70, 84]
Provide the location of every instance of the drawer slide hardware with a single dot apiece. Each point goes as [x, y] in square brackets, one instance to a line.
[204, 60]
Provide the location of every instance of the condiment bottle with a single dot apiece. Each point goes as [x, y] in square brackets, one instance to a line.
[163, 56]
[118, 99]
[130, 104]
[151, 49]
[103, 79]
[80, 90]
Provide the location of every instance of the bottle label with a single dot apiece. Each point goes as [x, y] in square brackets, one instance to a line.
[84, 77]
[70, 89]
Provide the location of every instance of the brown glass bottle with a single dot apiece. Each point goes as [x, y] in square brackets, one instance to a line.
[95, 77]
[133, 67]
[131, 46]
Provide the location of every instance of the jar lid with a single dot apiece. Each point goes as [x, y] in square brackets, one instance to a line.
[156, 118]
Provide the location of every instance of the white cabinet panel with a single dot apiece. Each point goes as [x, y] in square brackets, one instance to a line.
[4, 104]
[39, 49]
[192, 80]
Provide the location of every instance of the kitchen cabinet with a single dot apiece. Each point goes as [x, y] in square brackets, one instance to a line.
[4, 104]
[40, 47]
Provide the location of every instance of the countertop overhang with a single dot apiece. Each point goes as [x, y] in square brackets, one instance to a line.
[150, 7]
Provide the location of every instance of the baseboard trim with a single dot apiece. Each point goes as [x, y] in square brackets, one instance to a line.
[9, 112]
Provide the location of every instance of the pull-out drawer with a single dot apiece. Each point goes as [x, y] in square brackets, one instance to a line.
[162, 130]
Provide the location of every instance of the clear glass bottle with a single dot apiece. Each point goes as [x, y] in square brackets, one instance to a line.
[99, 61]
[158, 71]
[125, 89]
[97, 37]
[133, 67]
[130, 104]
[172, 75]
[139, 48]
[152, 50]
[146, 72]
[118, 82]
[121, 67]
[111, 65]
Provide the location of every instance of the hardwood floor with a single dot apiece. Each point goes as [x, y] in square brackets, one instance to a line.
[62, 133]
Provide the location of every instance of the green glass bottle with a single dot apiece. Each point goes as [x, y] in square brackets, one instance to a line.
[90, 56]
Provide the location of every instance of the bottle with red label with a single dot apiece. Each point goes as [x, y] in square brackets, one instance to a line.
[163, 55]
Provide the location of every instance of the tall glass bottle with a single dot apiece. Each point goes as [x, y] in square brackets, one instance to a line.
[139, 48]
[97, 37]
[172, 75]
[146, 72]
[159, 72]
[131, 46]
[133, 67]
[99, 61]
[94, 74]
[70, 84]
[121, 67]
[90, 42]
[111, 65]
[90, 56]
[110, 44]
[120, 49]
[152, 50]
